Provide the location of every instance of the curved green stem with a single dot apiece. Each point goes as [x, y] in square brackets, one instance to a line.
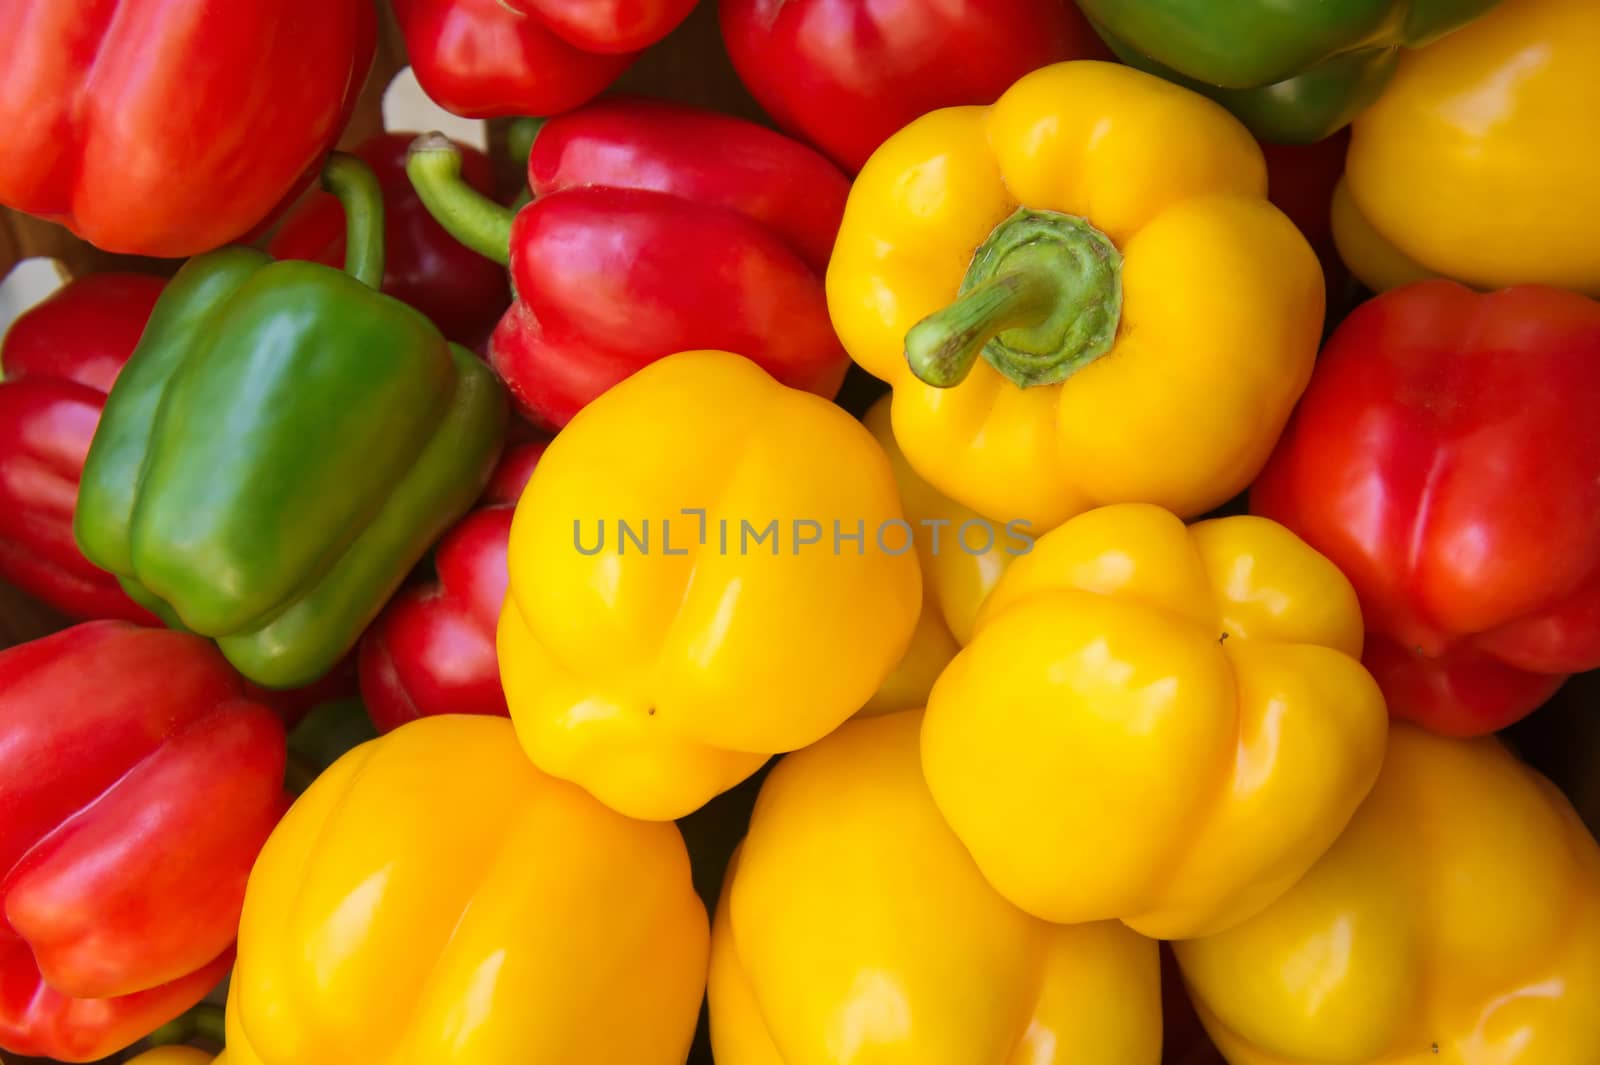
[204, 1021]
[356, 186]
[434, 167]
[1041, 300]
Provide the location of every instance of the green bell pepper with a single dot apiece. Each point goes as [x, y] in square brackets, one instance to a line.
[285, 444]
[1294, 71]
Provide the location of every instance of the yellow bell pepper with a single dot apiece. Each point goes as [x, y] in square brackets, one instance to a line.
[1478, 161]
[1155, 723]
[854, 928]
[176, 1056]
[962, 556]
[1102, 238]
[1456, 922]
[433, 898]
[766, 590]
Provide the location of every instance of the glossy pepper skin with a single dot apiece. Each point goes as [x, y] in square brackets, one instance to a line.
[1155, 723]
[60, 359]
[284, 445]
[1096, 211]
[140, 784]
[894, 950]
[143, 125]
[962, 558]
[1294, 72]
[1477, 162]
[461, 292]
[1456, 922]
[431, 651]
[1447, 457]
[847, 74]
[538, 926]
[655, 228]
[496, 58]
[659, 676]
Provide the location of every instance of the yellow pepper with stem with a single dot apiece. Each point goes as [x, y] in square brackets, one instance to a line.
[1155, 723]
[962, 556]
[854, 928]
[1478, 161]
[763, 588]
[433, 898]
[1456, 922]
[1080, 296]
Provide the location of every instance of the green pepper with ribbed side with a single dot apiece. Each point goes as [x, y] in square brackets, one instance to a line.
[283, 447]
[1295, 71]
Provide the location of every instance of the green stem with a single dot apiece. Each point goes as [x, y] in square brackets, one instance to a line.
[520, 137]
[205, 1021]
[356, 186]
[326, 734]
[1041, 300]
[434, 167]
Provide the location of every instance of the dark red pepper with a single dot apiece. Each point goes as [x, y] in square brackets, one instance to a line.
[59, 360]
[138, 786]
[423, 265]
[655, 228]
[493, 58]
[432, 650]
[1447, 457]
[847, 74]
[154, 127]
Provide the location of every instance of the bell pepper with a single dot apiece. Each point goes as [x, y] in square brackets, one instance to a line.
[1154, 723]
[434, 898]
[156, 128]
[1295, 71]
[853, 927]
[496, 58]
[1477, 163]
[1146, 319]
[284, 445]
[431, 651]
[654, 228]
[460, 291]
[847, 75]
[59, 360]
[1447, 458]
[738, 584]
[1456, 921]
[140, 783]
[961, 558]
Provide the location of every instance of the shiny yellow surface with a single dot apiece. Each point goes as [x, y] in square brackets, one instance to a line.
[855, 930]
[658, 680]
[433, 899]
[1478, 162]
[174, 1056]
[1222, 310]
[1160, 724]
[1456, 922]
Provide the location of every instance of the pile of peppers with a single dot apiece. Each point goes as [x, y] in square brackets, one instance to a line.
[1072, 538]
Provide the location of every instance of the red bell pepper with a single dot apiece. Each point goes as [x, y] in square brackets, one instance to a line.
[155, 127]
[59, 361]
[655, 228]
[493, 58]
[139, 786]
[846, 74]
[432, 650]
[1447, 457]
[423, 265]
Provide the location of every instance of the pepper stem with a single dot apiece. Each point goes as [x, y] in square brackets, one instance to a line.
[434, 167]
[520, 137]
[203, 1021]
[356, 186]
[1041, 300]
[326, 734]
